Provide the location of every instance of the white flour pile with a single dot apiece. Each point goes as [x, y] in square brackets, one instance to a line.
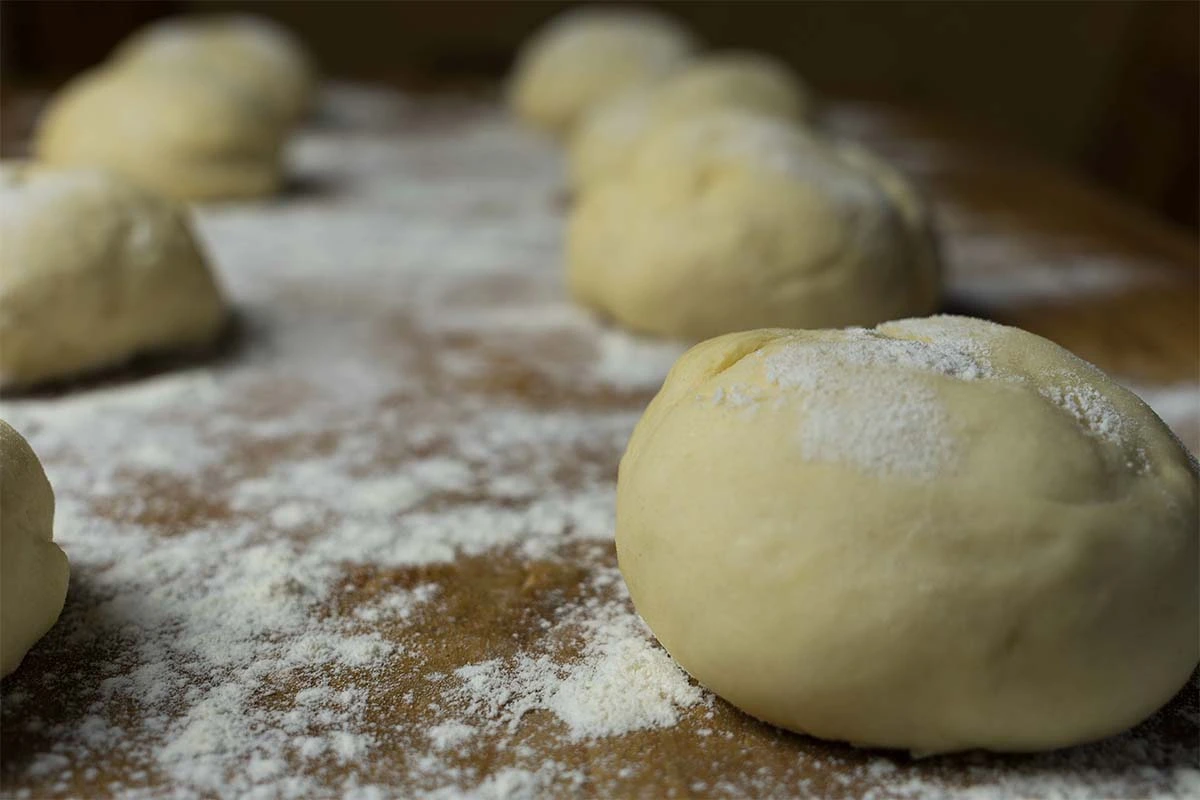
[263, 547]
[617, 685]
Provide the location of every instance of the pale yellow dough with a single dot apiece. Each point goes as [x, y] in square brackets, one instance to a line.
[603, 143]
[583, 57]
[937, 535]
[253, 53]
[729, 220]
[93, 271]
[184, 133]
[33, 570]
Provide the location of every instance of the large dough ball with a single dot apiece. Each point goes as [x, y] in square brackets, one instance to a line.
[94, 270]
[251, 52]
[603, 142]
[729, 221]
[183, 133]
[583, 57]
[936, 535]
[33, 570]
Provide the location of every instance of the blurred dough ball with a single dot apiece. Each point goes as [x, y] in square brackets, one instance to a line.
[93, 271]
[586, 56]
[604, 140]
[730, 221]
[750, 81]
[183, 133]
[33, 570]
[253, 53]
[937, 535]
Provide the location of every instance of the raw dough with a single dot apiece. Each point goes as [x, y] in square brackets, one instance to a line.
[602, 143]
[184, 133]
[94, 270]
[936, 535]
[251, 52]
[33, 570]
[729, 221]
[583, 57]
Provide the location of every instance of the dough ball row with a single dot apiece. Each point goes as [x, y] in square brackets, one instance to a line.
[933, 534]
[99, 263]
[194, 109]
[705, 201]
[98, 260]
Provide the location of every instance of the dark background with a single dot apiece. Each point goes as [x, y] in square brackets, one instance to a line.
[1110, 89]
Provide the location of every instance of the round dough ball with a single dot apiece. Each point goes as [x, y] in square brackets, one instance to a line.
[936, 535]
[584, 57]
[729, 221]
[750, 81]
[185, 134]
[33, 570]
[93, 271]
[602, 144]
[251, 52]
[604, 141]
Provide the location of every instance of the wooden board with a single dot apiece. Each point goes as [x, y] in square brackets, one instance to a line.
[365, 550]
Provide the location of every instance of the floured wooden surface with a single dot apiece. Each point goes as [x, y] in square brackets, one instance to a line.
[367, 550]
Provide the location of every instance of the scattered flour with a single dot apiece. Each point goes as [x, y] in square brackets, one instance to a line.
[211, 514]
[635, 363]
[1088, 406]
[904, 431]
[257, 544]
[990, 278]
[864, 403]
[621, 681]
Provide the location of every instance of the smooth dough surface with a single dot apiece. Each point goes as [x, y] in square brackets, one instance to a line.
[583, 57]
[730, 221]
[93, 271]
[937, 535]
[33, 570]
[604, 141]
[184, 133]
[253, 53]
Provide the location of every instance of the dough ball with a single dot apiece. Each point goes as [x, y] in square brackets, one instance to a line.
[93, 271]
[185, 134]
[603, 142]
[729, 221]
[608, 134]
[253, 53]
[936, 535]
[33, 570]
[606, 138]
[750, 81]
[583, 57]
